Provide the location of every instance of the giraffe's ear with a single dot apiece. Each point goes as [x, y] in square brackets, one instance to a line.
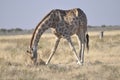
[28, 51]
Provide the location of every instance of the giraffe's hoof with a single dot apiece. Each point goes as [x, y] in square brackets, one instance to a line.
[79, 63]
[47, 63]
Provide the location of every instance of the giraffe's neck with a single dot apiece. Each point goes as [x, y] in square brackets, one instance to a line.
[39, 30]
[37, 35]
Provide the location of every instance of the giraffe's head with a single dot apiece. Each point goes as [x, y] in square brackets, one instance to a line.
[32, 54]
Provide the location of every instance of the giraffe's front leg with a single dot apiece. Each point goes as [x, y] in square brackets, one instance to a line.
[53, 51]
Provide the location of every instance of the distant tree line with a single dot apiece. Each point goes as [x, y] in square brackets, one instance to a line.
[19, 30]
[103, 26]
[15, 31]
[11, 30]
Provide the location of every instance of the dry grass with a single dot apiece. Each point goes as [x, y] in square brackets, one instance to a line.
[101, 63]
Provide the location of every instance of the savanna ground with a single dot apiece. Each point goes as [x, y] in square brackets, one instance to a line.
[101, 63]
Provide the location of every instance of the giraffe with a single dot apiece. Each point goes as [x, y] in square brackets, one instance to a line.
[64, 23]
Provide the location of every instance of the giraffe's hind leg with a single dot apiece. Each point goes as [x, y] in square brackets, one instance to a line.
[53, 50]
[73, 49]
[81, 40]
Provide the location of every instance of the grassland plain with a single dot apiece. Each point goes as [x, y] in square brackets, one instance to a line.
[101, 63]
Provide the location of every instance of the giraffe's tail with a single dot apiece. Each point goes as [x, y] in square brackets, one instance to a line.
[87, 42]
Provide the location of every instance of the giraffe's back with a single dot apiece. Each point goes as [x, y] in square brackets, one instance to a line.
[70, 21]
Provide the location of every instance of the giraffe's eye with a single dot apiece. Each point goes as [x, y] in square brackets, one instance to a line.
[31, 49]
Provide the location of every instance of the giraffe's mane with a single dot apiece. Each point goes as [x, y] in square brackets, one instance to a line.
[37, 28]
